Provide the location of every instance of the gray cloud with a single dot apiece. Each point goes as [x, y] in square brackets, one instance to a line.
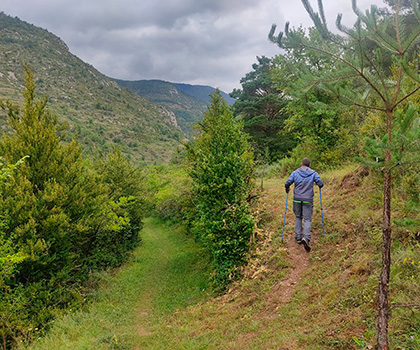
[210, 42]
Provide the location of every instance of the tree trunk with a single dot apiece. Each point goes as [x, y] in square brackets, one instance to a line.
[383, 304]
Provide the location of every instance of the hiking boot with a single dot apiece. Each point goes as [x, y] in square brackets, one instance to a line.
[306, 245]
[298, 240]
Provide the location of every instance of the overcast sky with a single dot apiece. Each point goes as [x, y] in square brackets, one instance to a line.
[206, 42]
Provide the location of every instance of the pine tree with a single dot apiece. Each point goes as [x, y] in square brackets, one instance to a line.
[262, 105]
[371, 64]
[59, 218]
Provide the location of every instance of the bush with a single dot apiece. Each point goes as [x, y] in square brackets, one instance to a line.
[169, 191]
[221, 167]
[60, 219]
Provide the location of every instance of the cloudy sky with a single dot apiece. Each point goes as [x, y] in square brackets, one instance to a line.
[207, 42]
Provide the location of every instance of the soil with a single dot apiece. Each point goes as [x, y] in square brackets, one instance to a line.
[282, 292]
[352, 180]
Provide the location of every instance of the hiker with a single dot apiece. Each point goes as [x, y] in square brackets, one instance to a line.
[303, 195]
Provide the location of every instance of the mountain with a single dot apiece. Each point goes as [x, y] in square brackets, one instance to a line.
[202, 92]
[100, 113]
[186, 108]
[187, 102]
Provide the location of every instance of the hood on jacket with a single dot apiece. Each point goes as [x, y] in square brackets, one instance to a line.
[305, 171]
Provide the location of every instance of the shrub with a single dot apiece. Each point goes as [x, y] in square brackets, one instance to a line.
[221, 167]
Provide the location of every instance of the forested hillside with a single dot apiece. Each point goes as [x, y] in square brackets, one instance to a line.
[202, 92]
[187, 102]
[100, 113]
[186, 109]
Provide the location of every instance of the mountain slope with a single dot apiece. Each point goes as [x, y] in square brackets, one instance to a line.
[187, 109]
[186, 102]
[202, 92]
[100, 112]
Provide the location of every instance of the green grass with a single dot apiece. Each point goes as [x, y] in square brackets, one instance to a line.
[161, 299]
[169, 271]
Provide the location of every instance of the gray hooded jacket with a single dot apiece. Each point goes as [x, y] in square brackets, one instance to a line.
[304, 179]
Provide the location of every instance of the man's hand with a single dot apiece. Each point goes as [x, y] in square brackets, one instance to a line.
[287, 189]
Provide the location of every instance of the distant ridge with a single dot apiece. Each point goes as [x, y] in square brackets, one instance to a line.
[187, 102]
[202, 92]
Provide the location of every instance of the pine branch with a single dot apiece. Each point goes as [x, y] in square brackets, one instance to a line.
[413, 75]
[397, 25]
[320, 25]
[321, 11]
[386, 39]
[405, 97]
[411, 40]
[416, 10]
[378, 73]
[341, 27]
[348, 63]
[348, 99]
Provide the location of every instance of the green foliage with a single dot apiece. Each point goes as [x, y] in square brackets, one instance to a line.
[221, 169]
[372, 69]
[261, 104]
[405, 150]
[133, 307]
[60, 218]
[169, 191]
[404, 142]
[8, 257]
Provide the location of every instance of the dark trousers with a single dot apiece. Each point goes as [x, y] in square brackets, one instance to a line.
[303, 210]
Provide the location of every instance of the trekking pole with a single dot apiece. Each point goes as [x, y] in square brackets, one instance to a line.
[322, 212]
[285, 211]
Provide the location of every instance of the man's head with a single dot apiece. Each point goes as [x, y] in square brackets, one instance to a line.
[306, 162]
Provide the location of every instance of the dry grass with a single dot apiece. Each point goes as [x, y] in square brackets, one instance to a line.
[292, 300]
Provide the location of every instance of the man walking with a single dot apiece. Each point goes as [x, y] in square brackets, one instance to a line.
[303, 196]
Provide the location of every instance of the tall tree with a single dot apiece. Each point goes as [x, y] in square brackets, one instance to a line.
[262, 103]
[359, 56]
[221, 167]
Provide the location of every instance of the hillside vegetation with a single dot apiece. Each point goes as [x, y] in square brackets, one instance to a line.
[349, 102]
[287, 299]
[62, 218]
[187, 102]
[187, 109]
[100, 113]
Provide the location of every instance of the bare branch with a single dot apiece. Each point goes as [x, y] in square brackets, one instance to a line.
[410, 306]
[405, 97]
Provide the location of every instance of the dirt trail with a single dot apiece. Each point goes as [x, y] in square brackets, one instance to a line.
[282, 292]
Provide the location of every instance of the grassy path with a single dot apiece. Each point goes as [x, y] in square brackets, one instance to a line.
[167, 272]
